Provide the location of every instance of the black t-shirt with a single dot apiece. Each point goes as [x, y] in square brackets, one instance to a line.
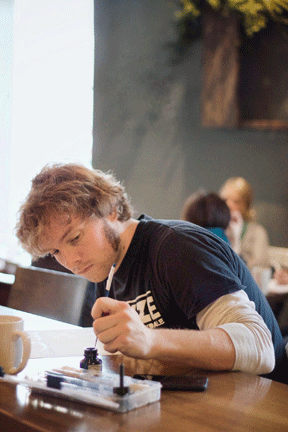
[174, 269]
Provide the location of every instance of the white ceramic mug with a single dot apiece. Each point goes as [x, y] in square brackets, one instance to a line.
[15, 344]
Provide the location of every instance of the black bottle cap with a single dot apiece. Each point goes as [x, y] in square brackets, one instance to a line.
[90, 353]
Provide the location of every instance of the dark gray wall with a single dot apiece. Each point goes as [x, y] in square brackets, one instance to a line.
[147, 121]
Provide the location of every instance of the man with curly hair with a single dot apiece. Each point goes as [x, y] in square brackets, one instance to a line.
[179, 292]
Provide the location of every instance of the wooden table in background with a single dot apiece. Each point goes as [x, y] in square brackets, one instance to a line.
[234, 401]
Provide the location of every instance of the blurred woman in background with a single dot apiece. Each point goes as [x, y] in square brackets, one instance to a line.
[248, 238]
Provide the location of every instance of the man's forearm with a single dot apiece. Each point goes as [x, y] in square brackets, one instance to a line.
[232, 336]
[209, 349]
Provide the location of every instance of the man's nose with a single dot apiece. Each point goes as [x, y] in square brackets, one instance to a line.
[70, 260]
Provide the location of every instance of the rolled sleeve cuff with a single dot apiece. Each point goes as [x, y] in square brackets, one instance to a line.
[253, 355]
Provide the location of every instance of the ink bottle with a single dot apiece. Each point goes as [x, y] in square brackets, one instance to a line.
[91, 362]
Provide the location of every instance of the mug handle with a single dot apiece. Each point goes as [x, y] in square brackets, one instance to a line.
[26, 351]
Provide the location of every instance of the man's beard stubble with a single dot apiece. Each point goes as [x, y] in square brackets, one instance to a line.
[112, 236]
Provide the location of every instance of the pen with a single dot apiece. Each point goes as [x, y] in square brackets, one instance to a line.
[108, 286]
[55, 380]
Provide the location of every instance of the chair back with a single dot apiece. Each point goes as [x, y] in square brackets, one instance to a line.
[48, 293]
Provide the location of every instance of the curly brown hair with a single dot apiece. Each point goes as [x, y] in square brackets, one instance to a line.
[68, 189]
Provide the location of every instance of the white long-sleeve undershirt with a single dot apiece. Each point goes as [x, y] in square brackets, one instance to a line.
[251, 338]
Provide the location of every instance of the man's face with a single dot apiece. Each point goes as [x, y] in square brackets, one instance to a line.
[88, 248]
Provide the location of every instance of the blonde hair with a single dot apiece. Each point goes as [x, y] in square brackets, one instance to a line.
[245, 192]
[68, 189]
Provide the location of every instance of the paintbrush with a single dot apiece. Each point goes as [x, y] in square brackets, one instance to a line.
[107, 289]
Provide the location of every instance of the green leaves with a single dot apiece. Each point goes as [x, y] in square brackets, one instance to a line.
[254, 14]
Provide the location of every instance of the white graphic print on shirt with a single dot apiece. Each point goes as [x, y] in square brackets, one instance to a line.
[146, 308]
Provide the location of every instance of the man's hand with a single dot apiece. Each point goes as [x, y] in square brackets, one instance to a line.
[121, 328]
[281, 276]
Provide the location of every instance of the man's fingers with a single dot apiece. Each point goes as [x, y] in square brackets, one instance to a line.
[104, 305]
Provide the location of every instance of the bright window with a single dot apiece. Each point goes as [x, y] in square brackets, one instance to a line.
[52, 95]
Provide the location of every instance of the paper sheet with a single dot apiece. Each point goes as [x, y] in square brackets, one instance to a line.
[63, 343]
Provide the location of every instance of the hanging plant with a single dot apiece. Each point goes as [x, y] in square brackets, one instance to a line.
[254, 14]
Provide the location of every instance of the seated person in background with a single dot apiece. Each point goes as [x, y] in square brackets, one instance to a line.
[249, 239]
[179, 293]
[209, 211]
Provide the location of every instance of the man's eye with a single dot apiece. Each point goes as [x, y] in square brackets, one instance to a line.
[75, 239]
[54, 252]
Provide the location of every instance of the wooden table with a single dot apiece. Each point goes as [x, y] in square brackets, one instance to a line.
[234, 401]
